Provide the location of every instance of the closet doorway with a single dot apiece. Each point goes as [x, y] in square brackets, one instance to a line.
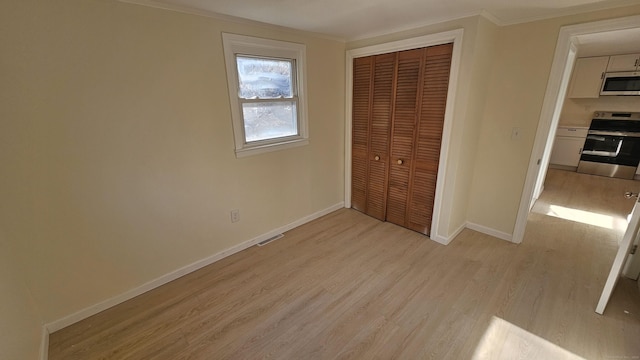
[398, 112]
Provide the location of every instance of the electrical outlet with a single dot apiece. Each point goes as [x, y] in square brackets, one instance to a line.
[235, 215]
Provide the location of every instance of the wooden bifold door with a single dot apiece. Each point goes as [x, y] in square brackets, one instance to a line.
[399, 103]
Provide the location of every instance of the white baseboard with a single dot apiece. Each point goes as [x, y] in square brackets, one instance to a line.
[489, 231]
[44, 344]
[479, 228]
[94, 309]
[457, 232]
[441, 239]
[445, 240]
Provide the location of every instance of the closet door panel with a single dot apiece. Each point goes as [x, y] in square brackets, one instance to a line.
[402, 134]
[362, 74]
[434, 87]
[397, 198]
[380, 126]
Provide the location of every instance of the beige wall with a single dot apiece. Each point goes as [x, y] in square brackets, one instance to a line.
[485, 46]
[20, 324]
[116, 147]
[516, 90]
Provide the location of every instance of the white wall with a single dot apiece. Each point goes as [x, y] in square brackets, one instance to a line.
[116, 146]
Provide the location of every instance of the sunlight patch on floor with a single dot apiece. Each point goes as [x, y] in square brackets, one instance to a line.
[586, 217]
[504, 340]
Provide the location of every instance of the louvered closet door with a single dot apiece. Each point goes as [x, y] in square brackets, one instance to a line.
[372, 105]
[403, 134]
[398, 114]
[431, 110]
[362, 81]
[380, 126]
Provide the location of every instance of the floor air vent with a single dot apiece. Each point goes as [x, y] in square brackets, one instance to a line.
[273, 238]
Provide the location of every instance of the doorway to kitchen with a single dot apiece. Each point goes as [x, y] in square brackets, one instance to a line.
[579, 198]
[570, 40]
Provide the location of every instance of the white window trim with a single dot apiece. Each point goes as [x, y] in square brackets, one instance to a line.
[239, 44]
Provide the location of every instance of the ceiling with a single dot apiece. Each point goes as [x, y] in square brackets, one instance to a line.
[357, 19]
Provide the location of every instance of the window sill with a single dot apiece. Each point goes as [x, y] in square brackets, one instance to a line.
[260, 149]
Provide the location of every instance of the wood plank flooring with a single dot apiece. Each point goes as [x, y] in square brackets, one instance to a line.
[347, 286]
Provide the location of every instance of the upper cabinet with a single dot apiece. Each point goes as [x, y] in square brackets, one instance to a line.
[629, 62]
[587, 77]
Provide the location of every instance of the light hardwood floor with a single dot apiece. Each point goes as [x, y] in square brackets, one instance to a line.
[349, 286]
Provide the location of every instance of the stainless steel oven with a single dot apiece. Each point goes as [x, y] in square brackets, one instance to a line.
[612, 146]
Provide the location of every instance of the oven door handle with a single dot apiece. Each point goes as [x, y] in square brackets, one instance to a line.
[599, 153]
[604, 153]
[596, 138]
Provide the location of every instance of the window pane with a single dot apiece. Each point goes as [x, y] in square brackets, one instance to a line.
[269, 120]
[264, 78]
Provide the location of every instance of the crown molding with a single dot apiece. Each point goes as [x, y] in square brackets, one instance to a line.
[489, 16]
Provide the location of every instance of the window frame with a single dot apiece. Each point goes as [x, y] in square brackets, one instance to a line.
[249, 46]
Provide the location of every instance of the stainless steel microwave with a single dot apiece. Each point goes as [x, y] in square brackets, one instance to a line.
[621, 83]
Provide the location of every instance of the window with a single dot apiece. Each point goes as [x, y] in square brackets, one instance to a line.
[266, 90]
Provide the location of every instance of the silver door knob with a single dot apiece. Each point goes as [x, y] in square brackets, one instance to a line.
[400, 161]
[630, 194]
[377, 158]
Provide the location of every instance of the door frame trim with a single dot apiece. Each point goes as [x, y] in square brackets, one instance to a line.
[438, 233]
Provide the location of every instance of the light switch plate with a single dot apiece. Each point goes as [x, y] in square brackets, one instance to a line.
[515, 133]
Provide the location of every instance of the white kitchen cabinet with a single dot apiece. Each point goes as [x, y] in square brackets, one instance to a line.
[629, 62]
[587, 76]
[567, 147]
